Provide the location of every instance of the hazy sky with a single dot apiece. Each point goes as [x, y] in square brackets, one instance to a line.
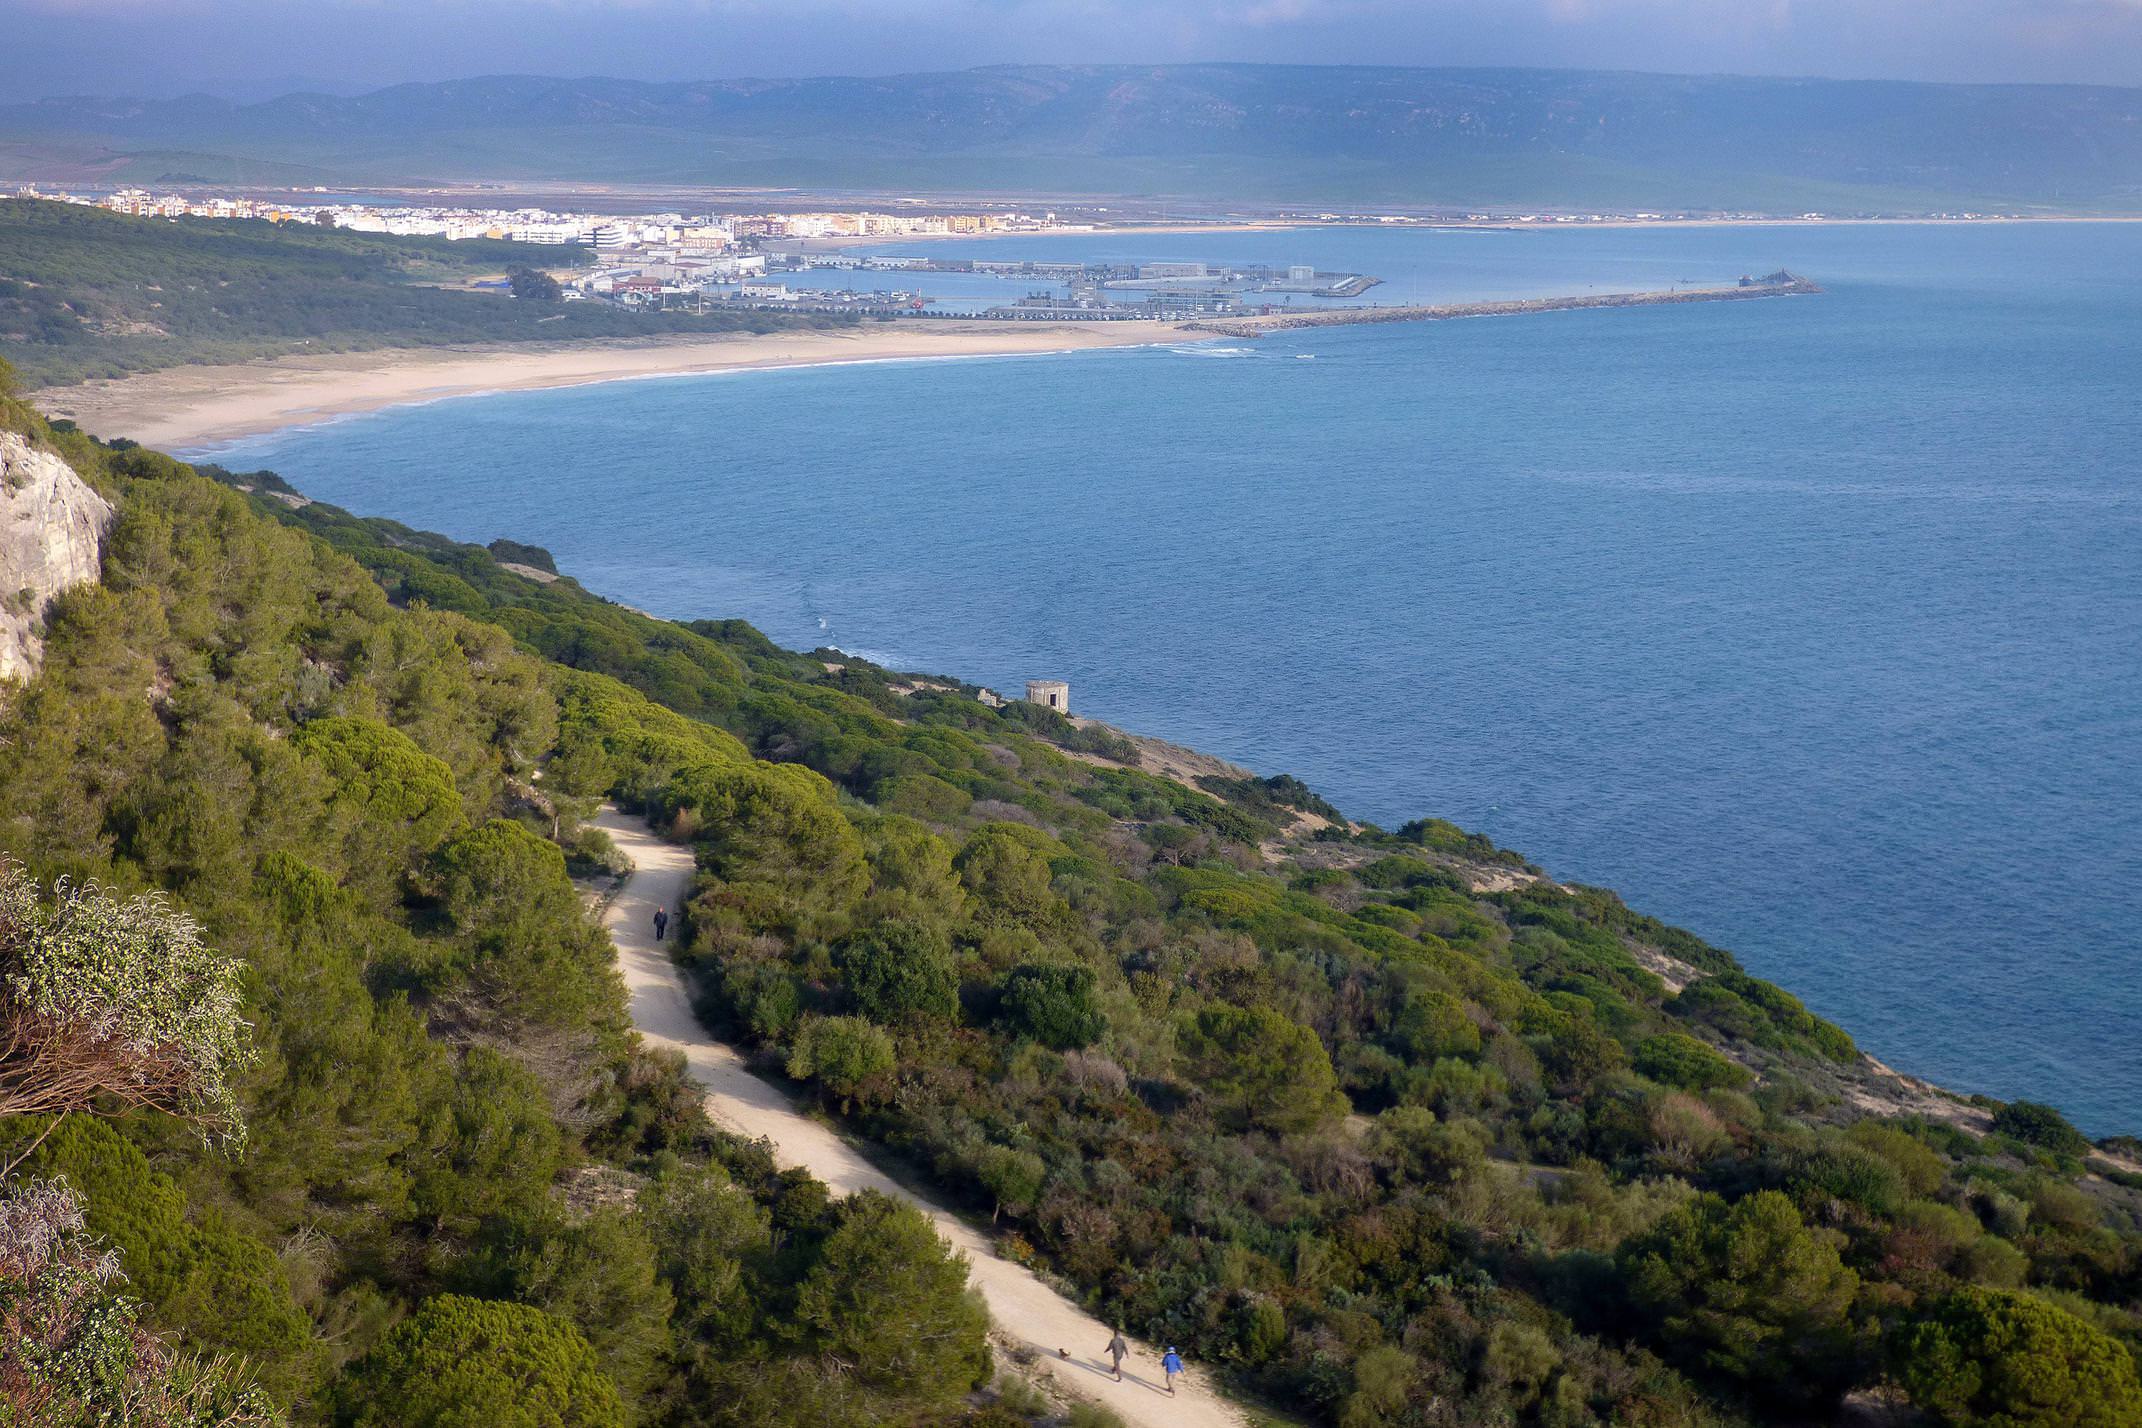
[250, 48]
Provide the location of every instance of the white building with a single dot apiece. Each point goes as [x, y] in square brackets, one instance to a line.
[552, 233]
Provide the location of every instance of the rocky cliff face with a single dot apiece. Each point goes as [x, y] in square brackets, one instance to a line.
[51, 539]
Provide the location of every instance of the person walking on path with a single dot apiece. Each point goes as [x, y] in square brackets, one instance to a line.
[661, 922]
[1171, 1364]
[1117, 1348]
[1023, 1308]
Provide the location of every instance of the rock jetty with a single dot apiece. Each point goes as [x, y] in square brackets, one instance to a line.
[1779, 284]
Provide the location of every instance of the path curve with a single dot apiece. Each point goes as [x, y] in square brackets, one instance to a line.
[1022, 1308]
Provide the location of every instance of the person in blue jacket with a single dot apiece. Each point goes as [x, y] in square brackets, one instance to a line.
[1171, 1364]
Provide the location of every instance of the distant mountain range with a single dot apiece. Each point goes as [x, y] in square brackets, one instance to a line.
[1247, 133]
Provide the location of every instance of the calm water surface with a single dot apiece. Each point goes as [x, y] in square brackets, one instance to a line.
[1812, 624]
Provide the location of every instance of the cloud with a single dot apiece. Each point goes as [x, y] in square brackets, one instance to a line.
[240, 46]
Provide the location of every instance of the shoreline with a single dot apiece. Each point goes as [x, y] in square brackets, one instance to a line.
[1867, 1083]
[194, 407]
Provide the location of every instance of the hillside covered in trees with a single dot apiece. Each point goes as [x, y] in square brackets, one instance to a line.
[1387, 1128]
[85, 293]
[1307, 134]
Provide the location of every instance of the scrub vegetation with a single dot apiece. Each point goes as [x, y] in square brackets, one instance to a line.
[1387, 1150]
[85, 294]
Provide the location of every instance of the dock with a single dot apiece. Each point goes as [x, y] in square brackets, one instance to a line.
[1777, 285]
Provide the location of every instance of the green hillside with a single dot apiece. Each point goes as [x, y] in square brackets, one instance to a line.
[85, 293]
[1357, 1133]
[1295, 134]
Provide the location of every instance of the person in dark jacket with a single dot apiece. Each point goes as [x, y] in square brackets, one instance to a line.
[661, 922]
[1117, 1348]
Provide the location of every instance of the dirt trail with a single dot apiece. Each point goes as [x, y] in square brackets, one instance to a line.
[1022, 1308]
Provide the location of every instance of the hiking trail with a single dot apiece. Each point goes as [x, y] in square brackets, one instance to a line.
[1022, 1309]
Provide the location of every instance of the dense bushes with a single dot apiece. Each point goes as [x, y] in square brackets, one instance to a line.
[1131, 1044]
[184, 1266]
[1053, 1004]
[1260, 1068]
[1985, 1357]
[1391, 1150]
[844, 1054]
[76, 1354]
[1749, 1292]
[344, 795]
[520, 944]
[471, 1363]
[1675, 1059]
[2041, 1126]
[897, 970]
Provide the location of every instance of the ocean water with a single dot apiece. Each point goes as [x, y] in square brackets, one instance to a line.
[1812, 624]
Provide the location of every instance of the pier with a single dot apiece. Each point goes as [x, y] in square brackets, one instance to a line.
[1776, 285]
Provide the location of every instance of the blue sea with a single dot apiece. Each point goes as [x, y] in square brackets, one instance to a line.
[1811, 624]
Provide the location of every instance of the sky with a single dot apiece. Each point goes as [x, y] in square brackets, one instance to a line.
[250, 49]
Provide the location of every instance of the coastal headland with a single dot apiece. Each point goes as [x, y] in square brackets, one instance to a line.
[1779, 285]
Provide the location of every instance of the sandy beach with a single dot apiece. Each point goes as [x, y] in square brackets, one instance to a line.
[198, 406]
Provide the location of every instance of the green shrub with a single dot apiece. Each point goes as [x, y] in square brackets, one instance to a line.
[919, 795]
[1260, 1068]
[1054, 1004]
[2041, 1126]
[841, 1053]
[888, 1301]
[394, 802]
[1008, 879]
[526, 948]
[897, 970]
[1748, 1291]
[1675, 1059]
[1986, 1358]
[473, 1363]
[225, 1290]
[1430, 1024]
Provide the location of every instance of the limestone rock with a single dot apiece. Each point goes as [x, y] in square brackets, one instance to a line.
[51, 539]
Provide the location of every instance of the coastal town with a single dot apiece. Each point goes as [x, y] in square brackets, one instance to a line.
[701, 262]
[783, 259]
[710, 262]
[593, 229]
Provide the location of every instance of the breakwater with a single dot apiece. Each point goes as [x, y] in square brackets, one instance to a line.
[1786, 286]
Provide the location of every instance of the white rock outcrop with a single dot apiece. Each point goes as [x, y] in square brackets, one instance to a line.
[51, 539]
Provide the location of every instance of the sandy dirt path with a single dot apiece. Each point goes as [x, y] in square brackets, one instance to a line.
[1022, 1308]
